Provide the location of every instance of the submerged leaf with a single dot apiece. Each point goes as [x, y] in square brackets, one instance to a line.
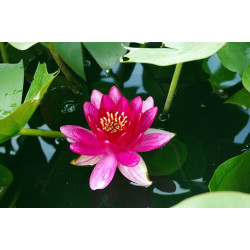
[6, 176]
[240, 98]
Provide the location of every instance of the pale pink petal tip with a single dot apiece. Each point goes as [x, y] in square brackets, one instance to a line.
[137, 174]
[147, 104]
[67, 130]
[96, 98]
[86, 160]
[115, 94]
[103, 172]
[155, 130]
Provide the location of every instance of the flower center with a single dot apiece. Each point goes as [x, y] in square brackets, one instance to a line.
[113, 123]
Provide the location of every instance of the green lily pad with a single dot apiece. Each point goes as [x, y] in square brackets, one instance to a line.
[22, 45]
[11, 124]
[6, 176]
[232, 175]
[177, 53]
[216, 200]
[235, 56]
[240, 98]
[107, 54]
[246, 78]
[11, 82]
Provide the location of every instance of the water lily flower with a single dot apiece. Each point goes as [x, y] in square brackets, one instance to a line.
[119, 130]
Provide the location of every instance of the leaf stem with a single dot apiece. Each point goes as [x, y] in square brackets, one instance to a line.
[39, 132]
[3, 52]
[172, 88]
[74, 83]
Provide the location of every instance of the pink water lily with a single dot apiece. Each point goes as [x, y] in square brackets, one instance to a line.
[119, 131]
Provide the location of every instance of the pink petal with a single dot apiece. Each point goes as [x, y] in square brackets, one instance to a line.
[123, 105]
[136, 141]
[85, 136]
[115, 94]
[67, 130]
[86, 160]
[109, 147]
[96, 98]
[103, 172]
[90, 109]
[153, 139]
[136, 104]
[92, 121]
[85, 149]
[147, 104]
[128, 158]
[107, 103]
[137, 174]
[148, 118]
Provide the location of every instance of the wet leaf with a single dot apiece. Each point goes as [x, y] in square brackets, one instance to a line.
[240, 98]
[11, 82]
[107, 54]
[6, 176]
[232, 175]
[166, 160]
[246, 78]
[14, 122]
[216, 200]
[178, 53]
[235, 56]
[22, 45]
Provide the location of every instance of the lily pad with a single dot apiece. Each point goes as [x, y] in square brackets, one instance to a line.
[240, 98]
[178, 53]
[22, 45]
[232, 175]
[216, 200]
[6, 176]
[11, 124]
[11, 82]
[246, 78]
[107, 54]
[235, 56]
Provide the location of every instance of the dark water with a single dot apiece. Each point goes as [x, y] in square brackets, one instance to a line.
[208, 133]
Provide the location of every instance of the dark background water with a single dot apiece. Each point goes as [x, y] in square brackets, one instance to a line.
[208, 133]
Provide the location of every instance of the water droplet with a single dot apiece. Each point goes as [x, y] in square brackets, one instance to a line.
[87, 63]
[107, 71]
[58, 140]
[69, 107]
[221, 93]
[203, 105]
[164, 118]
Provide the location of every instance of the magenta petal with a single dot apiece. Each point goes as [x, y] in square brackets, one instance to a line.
[67, 130]
[85, 149]
[153, 139]
[109, 147]
[115, 94]
[103, 172]
[128, 158]
[86, 160]
[137, 174]
[136, 141]
[136, 104]
[107, 103]
[123, 105]
[96, 98]
[148, 118]
[147, 104]
[90, 109]
[85, 136]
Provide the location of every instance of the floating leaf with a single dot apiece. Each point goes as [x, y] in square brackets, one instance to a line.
[216, 200]
[246, 78]
[11, 82]
[22, 46]
[178, 53]
[107, 54]
[14, 122]
[232, 175]
[240, 98]
[166, 160]
[6, 176]
[235, 56]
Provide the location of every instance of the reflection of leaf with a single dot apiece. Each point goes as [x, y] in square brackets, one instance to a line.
[22, 45]
[217, 200]
[14, 122]
[246, 78]
[6, 176]
[235, 56]
[240, 98]
[232, 175]
[178, 53]
[166, 160]
[11, 82]
[107, 54]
